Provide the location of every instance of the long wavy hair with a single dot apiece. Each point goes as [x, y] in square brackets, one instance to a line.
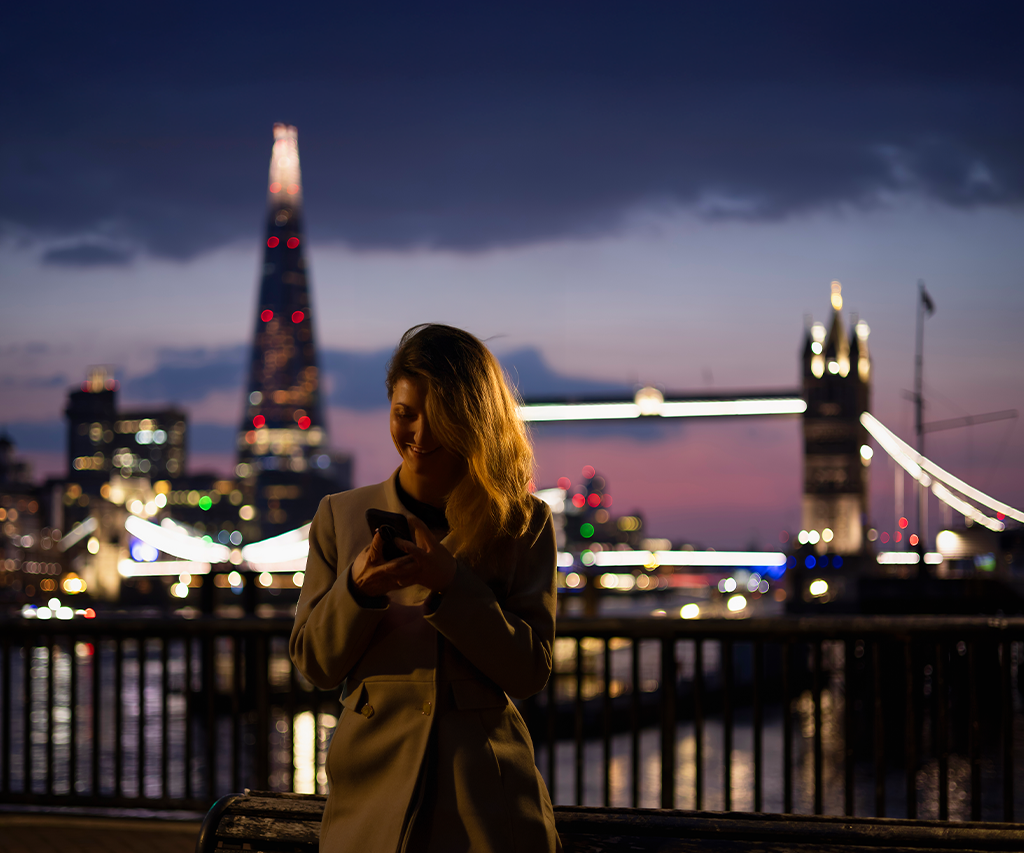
[471, 408]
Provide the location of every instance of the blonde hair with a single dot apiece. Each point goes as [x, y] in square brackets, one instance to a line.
[472, 413]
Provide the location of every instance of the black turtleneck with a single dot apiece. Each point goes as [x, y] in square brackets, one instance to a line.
[431, 516]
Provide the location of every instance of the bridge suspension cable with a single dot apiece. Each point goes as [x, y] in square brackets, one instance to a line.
[940, 481]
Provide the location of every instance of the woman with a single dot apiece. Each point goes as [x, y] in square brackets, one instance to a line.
[429, 754]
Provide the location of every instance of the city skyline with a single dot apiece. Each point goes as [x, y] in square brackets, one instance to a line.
[673, 259]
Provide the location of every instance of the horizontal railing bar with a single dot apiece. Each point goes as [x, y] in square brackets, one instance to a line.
[781, 627]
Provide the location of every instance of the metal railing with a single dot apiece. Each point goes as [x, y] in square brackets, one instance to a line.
[841, 715]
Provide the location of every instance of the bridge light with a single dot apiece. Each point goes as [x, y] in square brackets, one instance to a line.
[833, 367]
[736, 603]
[816, 348]
[903, 523]
[827, 535]
[914, 539]
[866, 453]
[801, 537]
[690, 611]
[818, 587]
[813, 537]
[649, 401]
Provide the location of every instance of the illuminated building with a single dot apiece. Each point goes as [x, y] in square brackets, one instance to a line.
[837, 389]
[150, 443]
[283, 451]
[91, 413]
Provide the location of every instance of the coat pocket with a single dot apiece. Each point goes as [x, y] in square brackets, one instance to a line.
[356, 700]
[470, 695]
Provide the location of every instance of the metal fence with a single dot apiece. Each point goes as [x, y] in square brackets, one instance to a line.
[869, 716]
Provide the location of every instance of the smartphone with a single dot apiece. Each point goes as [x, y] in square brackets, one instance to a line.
[391, 526]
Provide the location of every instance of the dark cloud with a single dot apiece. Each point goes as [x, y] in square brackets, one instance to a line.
[468, 125]
[355, 379]
[88, 255]
[35, 436]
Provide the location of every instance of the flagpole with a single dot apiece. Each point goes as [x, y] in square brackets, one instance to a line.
[924, 303]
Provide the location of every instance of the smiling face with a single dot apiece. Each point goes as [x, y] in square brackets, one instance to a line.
[429, 471]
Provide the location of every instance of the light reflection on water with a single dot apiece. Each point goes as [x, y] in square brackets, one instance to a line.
[298, 746]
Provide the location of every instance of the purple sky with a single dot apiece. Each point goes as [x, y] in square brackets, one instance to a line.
[611, 195]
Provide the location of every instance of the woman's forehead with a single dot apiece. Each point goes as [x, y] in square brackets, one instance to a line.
[409, 391]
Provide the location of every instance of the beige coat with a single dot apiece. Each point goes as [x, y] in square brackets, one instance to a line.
[427, 693]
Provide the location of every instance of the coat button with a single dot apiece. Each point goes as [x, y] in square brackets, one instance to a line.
[367, 711]
[426, 709]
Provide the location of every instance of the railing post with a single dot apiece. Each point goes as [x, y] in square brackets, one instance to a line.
[879, 730]
[262, 715]
[668, 722]
[818, 806]
[698, 723]
[787, 731]
[578, 724]
[758, 651]
[849, 732]
[634, 719]
[726, 651]
[1007, 729]
[606, 724]
[910, 730]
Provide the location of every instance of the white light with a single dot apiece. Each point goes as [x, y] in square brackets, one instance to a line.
[609, 580]
[234, 578]
[947, 542]
[160, 501]
[293, 545]
[266, 579]
[966, 509]
[573, 580]
[235, 557]
[691, 558]
[801, 537]
[185, 578]
[179, 590]
[667, 409]
[246, 513]
[587, 558]
[151, 508]
[736, 603]
[77, 532]
[44, 613]
[159, 436]
[763, 587]
[813, 537]
[298, 578]
[93, 545]
[172, 540]
[933, 558]
[53, 604]
[827, 535]
[866, 452]
[899, 558]
[690, 611]
[626, 582]
[728, 585]
[818, 587]
[164, 569]
[753, 582]
[816, 348]
[256, 398]
[649, 400]
[916, 465]
[136, 507]
[565, 560]
[554, 498]
[719, 408]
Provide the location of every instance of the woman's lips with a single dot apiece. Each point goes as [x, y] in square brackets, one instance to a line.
[418, 452]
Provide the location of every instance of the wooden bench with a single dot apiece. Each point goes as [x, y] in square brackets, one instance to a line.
[268, 822]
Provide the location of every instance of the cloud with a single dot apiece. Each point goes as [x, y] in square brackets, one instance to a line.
[88, 255]
[476, 127]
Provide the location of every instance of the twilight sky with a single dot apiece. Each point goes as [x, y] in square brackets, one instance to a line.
[610, 193]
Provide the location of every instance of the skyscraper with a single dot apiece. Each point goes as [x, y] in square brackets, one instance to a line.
[837, 388]
[282, 443]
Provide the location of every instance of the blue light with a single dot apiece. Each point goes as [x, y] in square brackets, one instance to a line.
[837, 561]
[791, 562]
[142, 552]
[809, 562]
[773, 572]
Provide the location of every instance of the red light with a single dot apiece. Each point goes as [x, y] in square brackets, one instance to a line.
[258, 421]
[594, 500]
[292, 189]
[783, 536]
[272, 242]
[913, 539]
[293, 242]
[297, 317]
[275, 187]
[898, 537]
[304, 422]
[564, 483]
[89, 648]
[90, 614]
[884, 537]
[606, 500]
[578, 501]
[903, 524]
[588, 472]
[85, 386]
[1000, 516]
[250, 437]
[267, 315]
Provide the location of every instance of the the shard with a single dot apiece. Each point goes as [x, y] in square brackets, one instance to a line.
[282, 443]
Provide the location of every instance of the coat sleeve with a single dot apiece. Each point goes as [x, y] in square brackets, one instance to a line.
[509, 641]
[332, 629]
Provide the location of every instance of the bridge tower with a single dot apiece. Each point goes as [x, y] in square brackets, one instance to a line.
[837, 389]
[282, 443]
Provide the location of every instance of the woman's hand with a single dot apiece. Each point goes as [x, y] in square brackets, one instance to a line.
[374, 577]
[435, 566]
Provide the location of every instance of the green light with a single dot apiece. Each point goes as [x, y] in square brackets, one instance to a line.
[205, 502]
[586, 530]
